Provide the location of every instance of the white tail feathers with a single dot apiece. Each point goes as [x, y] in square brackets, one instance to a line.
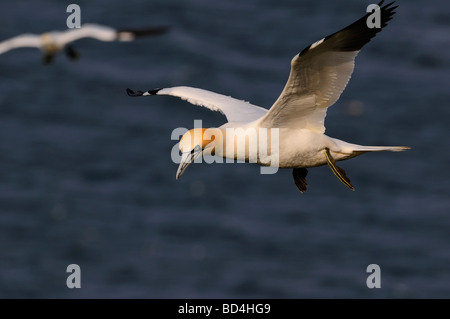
[355, 149]
[381, 148]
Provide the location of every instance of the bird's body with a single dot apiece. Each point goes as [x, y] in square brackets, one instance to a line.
[291, 134]
[292, 147]
[53, 42]
[49, 42]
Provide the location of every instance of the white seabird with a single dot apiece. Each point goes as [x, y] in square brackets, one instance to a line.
[51, 43]
[318, 76]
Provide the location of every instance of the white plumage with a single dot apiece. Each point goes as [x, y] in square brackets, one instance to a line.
[318, 76]
[50, 43]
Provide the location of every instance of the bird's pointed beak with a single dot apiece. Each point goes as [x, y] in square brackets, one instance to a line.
[187, 158]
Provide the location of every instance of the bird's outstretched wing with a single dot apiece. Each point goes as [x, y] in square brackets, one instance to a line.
[320, 73]
[234, 110]
[88, 30]
[105, 33]
[131, 34]
[20, 41]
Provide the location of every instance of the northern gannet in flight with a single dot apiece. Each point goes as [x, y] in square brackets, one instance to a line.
[318, 76]
[51, 43]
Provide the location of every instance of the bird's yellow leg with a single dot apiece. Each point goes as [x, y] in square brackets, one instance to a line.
[339, 172]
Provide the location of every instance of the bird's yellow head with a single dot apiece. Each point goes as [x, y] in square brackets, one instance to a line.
[192, 144]
[197, 137]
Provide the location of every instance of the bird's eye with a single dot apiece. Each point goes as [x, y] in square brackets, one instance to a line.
[197, 148]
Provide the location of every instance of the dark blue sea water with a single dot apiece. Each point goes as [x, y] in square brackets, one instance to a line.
[86, 175]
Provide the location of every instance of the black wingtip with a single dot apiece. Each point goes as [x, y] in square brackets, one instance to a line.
[154, 91]
[130, 92]
[146, 32]
[356, 35]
